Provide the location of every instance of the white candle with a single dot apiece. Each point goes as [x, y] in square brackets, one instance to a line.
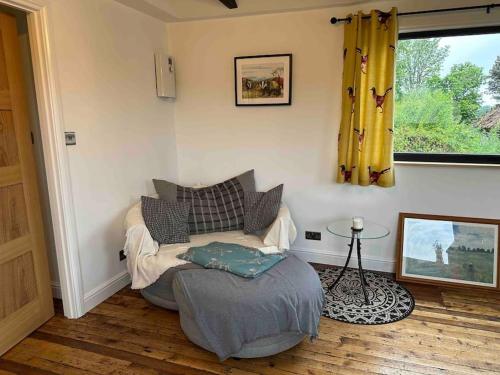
[357, 223]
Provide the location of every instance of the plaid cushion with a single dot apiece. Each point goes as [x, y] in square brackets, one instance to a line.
[217, 208]
[166, 221]
[261, 209]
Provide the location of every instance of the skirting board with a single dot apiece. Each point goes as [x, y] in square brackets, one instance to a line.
[56, 290]
[100, 293]
[323, 257]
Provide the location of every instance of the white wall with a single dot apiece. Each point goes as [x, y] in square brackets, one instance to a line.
[296, 145]
[125, 135]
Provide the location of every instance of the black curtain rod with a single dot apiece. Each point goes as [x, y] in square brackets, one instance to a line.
[488, 8]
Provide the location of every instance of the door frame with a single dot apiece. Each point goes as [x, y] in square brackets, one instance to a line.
[55, 154]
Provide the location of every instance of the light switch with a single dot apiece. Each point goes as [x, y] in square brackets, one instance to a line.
[70, 138]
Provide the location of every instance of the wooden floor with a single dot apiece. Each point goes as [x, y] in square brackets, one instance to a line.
[448, 332]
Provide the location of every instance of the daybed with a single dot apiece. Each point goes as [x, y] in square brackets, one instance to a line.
[156, 270]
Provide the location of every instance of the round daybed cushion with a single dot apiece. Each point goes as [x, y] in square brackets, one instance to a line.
[167, 293]
[252, 318]
[161, 294]
[263, 347]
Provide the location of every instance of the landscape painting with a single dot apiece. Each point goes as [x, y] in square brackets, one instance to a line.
[263, 80]
[450, 251]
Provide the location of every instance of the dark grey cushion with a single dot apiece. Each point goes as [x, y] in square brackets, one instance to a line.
[166, 221]
[261, 209]
[215, 208]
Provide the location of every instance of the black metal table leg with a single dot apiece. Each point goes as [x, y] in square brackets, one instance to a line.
[351, 245]
[362, 279]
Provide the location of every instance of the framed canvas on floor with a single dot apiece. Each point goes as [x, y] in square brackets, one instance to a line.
[448, 250]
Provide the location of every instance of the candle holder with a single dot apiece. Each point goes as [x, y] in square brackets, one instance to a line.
[357, 223]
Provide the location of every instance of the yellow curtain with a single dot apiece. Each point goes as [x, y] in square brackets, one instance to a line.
[365, 145]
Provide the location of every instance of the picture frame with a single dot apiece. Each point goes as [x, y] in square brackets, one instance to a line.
[448, 251]
[263, 80]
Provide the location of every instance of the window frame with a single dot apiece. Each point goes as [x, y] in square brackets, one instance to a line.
[448, 158]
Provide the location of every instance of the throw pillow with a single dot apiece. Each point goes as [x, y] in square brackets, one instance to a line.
[216, 208]
[261, 209]
[166, 221]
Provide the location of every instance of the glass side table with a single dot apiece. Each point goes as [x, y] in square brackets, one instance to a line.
[370, 231]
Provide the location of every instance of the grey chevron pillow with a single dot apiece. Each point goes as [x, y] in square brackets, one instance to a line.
[166, 221]
[261, 209]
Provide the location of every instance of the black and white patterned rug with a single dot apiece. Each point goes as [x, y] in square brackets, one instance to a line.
[390, 301]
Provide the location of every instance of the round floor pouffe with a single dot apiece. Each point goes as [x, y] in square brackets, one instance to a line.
[389, 301]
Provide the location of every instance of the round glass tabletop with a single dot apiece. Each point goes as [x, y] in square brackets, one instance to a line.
[371, 230]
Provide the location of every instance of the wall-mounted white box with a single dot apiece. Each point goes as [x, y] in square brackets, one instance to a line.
[165, 75]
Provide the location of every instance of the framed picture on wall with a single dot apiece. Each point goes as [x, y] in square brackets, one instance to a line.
[263, 80]
[446, 250]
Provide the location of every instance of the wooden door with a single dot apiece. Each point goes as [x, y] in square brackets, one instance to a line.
[25, 293]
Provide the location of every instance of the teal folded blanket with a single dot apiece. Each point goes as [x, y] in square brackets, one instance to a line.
[240, 260]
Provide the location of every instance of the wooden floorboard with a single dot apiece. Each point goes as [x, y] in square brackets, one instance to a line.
[449, 332]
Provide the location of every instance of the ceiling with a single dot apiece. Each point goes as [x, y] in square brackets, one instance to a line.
[186, 10]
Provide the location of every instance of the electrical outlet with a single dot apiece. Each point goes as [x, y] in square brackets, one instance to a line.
[316, 236]
[122, 255]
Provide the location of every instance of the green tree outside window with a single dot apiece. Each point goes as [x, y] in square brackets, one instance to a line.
[438, 113]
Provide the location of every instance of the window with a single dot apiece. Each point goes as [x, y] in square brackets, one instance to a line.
[448, 96]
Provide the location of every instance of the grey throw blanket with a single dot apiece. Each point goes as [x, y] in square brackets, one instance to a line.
[231, 311]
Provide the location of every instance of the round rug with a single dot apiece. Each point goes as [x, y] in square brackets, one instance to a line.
[390, 301]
